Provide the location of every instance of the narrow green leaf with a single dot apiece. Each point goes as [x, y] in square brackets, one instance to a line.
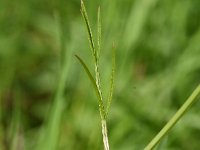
[90, 37]
[99, 33]
[101, 105]
[91, 41]
[171, 123]
[98, 80]
[111, 81]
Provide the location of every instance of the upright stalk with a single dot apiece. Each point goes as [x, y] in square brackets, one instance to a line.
[96, 82]
[105, 135]
[194, 96]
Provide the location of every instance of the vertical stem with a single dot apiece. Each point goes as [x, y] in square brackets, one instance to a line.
[194, 96]
[105, 135]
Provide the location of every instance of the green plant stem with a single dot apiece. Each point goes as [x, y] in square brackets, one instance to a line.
[194, 96]
[96, 82]
[100, 101]
[105, 135]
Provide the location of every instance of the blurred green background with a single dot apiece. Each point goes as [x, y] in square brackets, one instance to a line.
[46, 98]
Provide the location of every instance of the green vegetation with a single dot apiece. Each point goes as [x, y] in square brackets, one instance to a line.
[195, 95]
[97, 83]
[46, 101]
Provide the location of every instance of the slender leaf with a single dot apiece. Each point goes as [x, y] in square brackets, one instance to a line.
[90, 37]
[99, 33]
[111, 81]
[98, 80]
[188, 103]
[101, 105]
[97, 74]
[97, 84]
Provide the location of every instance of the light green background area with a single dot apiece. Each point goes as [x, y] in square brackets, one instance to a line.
[157, 68]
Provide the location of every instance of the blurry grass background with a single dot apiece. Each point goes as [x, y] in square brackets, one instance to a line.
[158, 66]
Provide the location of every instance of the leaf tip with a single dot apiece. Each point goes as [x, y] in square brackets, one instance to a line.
[75, 55]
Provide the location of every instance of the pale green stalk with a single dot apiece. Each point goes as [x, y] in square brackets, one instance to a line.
[105, 135]
[97, 82]
[193, 98]
[94, 52]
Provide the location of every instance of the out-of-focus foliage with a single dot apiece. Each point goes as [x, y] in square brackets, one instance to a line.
[158, 66]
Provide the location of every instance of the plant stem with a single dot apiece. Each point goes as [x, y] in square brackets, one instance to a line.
[105, 135]
[96, 82]
[193, 97]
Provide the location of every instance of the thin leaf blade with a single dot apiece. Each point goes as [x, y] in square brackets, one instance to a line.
[110, 96]
[89, 30]
[99, 33]
[101, 105]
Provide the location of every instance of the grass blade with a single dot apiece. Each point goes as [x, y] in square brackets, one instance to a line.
[96, 82]
[111, 81]
[101, 105]
[193, 97]
[99, 33]
[91, 41]
[90, 37]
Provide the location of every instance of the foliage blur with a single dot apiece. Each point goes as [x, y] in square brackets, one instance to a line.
[157, 60]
